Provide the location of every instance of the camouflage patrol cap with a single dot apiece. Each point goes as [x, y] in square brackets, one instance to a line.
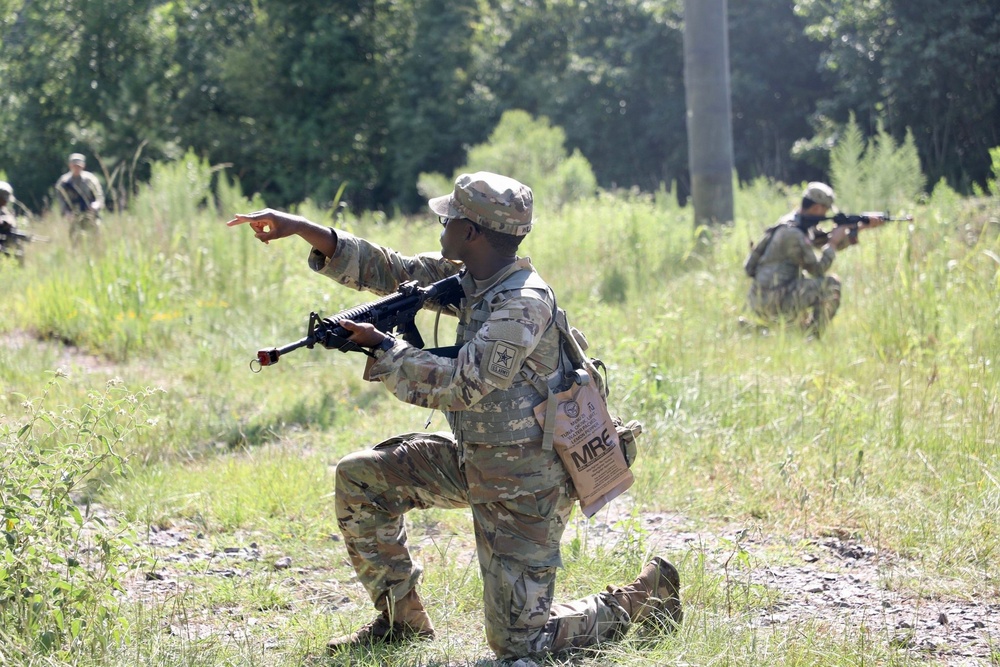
[821, 193]
[496, 202]
[77, 158]
[6, 189]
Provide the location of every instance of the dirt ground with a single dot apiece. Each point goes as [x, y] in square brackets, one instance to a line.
[838, 582]
[828, 582]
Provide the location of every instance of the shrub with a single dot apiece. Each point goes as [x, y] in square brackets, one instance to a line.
[531, 151]
[62, 565]
[877, 174]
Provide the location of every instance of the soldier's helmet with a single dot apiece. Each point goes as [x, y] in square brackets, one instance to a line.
[821, 193]
[6, 191]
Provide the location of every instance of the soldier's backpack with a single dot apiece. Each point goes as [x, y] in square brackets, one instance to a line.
[757, 251]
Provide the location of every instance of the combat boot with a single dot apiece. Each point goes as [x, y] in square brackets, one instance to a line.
[407, 622]
[655, 594]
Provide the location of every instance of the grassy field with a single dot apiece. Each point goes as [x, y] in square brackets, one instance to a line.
[153, 484]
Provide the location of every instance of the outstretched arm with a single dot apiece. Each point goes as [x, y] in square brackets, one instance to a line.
[269, 225]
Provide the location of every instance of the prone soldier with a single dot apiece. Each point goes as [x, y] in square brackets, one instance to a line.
[10, 238]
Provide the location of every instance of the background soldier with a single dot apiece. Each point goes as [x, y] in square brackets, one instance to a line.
[81, 196]
[494, 462]
[780, 289]
[10, 242]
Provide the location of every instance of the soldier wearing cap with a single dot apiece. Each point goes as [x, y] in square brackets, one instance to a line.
[81, 195]
[8, 223]
[492, 461]
[780, 290]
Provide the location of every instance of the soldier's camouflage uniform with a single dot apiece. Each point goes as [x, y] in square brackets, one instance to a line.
[77, 194]
[779, 290]
[9, 244]
[492, 462]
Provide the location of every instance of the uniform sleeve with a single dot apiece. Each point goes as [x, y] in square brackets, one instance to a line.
[492, 360]
[362, 265]
[96, 190]
[816, 267]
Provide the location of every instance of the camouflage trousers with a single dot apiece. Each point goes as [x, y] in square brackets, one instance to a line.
[811, 301]
[84, 222]
[519, 504]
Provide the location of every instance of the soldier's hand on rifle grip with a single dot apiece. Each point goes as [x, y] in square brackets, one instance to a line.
[364, 334]
[840, 237]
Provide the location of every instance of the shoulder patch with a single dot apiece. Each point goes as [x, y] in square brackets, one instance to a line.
[510, 331]
[502, 360]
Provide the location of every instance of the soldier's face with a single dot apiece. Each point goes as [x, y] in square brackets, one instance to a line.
[76, 168]
[452, 237]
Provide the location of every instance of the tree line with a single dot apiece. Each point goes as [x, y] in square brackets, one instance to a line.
[301, 98]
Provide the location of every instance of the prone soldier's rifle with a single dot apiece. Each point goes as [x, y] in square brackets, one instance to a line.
[849, 220]
[12, 241]
[395, 311]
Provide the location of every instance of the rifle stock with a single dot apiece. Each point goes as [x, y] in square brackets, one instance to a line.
[396, 311]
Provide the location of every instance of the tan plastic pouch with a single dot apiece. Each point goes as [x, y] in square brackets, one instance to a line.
[586, 439]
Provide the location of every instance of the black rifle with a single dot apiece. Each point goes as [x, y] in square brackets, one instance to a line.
[12, 241]
[851, 221]
[395, 311]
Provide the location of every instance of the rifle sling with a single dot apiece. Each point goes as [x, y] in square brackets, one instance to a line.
[448, 352]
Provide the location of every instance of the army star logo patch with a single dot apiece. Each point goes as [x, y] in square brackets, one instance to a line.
[502, 361]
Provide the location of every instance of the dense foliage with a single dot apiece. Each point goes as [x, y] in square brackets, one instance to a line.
[302, 98]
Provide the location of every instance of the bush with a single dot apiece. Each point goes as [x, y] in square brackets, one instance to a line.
[875, 175]
[62, 566]
[531, 151]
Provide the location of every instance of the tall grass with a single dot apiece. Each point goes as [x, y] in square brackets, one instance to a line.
[886, 429]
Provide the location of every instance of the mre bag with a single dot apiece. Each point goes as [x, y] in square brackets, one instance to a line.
[585, 437]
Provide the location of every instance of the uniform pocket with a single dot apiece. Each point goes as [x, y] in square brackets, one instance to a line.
[531, 591]
[442, 436]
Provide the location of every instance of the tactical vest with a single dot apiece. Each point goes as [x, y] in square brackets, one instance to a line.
[505, 417]
[73, 191]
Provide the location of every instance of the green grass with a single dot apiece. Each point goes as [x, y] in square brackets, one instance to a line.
[885, 430]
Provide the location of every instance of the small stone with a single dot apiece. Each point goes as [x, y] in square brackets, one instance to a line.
[524, 662]
[283, 563]
[232, 550]
[815, 588]
[943, 618]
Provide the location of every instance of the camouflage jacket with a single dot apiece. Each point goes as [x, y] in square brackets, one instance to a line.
[516, 331]
[7, 221]
[77, 194]
[786, 253]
